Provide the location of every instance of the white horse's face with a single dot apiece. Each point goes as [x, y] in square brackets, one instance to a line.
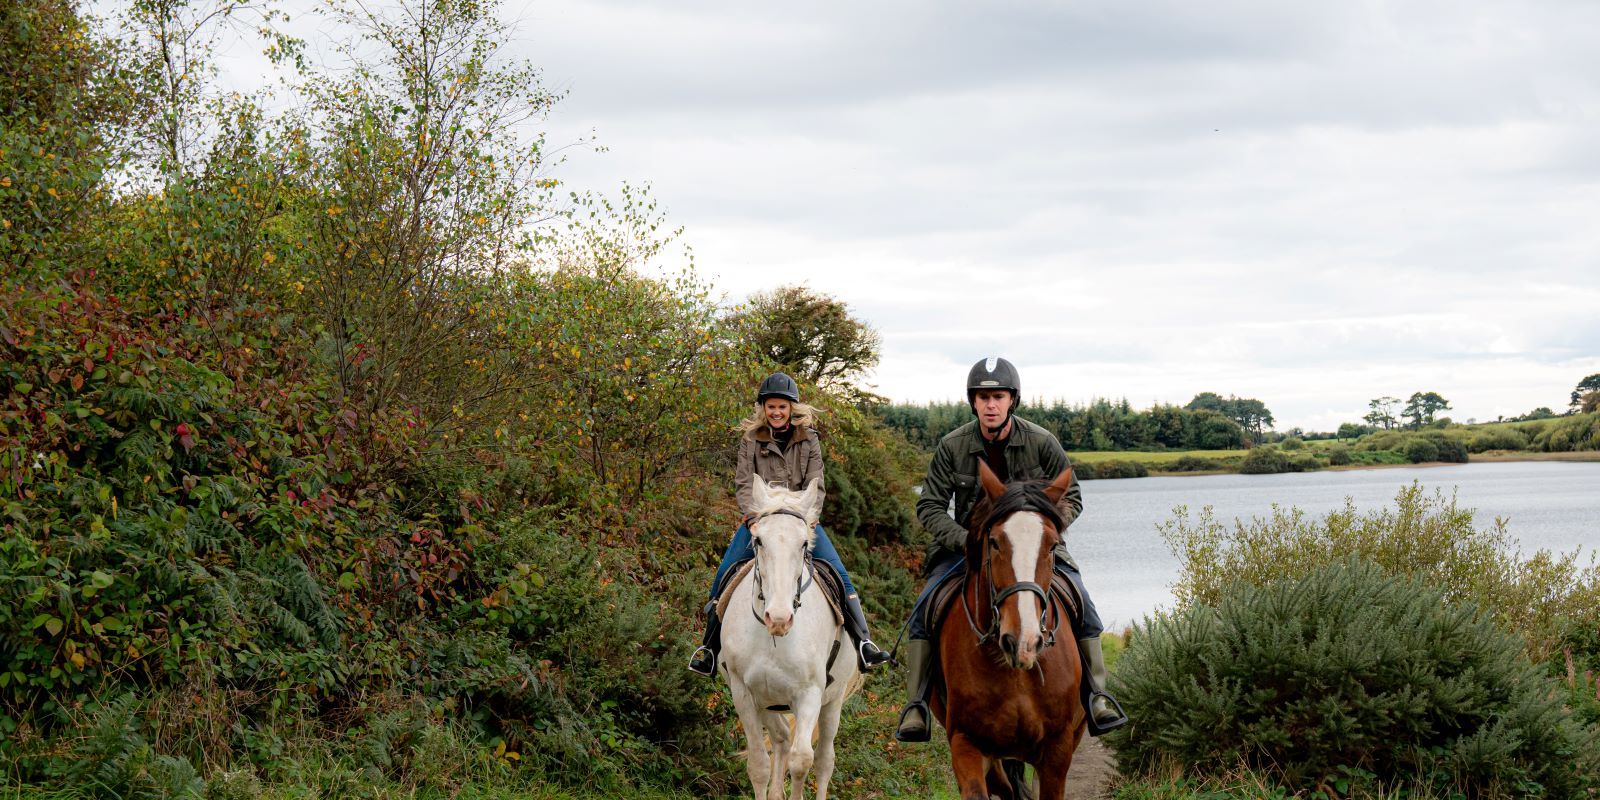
[781, 540]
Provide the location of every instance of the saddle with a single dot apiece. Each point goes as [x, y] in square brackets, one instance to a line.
[1064, 594]
[832, 587]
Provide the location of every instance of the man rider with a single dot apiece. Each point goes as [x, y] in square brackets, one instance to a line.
[1015, 449]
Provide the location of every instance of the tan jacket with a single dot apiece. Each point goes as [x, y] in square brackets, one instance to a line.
[794, 468]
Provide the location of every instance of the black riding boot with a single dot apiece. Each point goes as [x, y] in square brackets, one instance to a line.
[704, 660]
[868, 656]
[1105, 713]
[915, 725]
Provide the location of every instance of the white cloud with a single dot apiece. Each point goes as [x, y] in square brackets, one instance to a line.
[1308, 204]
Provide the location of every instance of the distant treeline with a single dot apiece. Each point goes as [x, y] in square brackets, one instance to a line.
[1100, 425]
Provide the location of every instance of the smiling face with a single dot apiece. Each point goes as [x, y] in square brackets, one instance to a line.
[776, 410]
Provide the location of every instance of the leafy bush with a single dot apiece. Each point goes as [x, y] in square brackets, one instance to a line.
[1497, 438]
[1292, 443]
[1193, 464]
[1424, 536]
[1304, 463]
[1349, 667]
[1265, 460]
[1419, 449]
[1577, 432]
[1338, 455]
[1114, 468]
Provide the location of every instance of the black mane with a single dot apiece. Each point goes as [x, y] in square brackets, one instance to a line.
[1019, 496]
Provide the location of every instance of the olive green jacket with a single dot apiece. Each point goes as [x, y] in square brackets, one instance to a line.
[793, 468]
[1031, 453]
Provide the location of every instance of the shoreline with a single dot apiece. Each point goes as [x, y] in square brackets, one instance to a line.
[1492, 456]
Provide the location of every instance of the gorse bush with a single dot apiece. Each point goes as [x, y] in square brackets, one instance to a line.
[1424, 536]
[1349, 668]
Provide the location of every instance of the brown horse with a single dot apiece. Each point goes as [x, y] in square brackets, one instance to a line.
[1011, 688]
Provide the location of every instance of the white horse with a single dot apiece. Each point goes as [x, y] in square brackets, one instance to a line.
[776, 640]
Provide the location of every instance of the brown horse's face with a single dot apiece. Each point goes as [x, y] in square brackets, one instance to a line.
[1020, 551]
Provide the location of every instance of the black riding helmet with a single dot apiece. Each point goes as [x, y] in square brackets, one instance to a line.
[993, 373]
[778, 385]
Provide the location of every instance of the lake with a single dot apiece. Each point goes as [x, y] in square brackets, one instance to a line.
[1129, 570]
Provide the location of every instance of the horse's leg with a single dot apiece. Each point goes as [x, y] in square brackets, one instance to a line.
[756, 763]
[971, 767]
[801, 755]
[827, 729]
[777, 725]
[1052, 770]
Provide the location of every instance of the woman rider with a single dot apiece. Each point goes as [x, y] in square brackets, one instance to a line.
[780, 444]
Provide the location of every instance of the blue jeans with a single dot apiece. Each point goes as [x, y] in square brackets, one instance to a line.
[951, 565]
[739, 550]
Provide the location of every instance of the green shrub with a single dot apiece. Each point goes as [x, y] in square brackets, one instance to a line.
[1292, 443]
[1500, 438]
[1419, 449]
[1194, 464]
[1578, 432]
[1304, 463]
[1452, 450]
[1338, 455]
[1115, 468]
[1350, 667]
[1426, 536]
[1265, 460]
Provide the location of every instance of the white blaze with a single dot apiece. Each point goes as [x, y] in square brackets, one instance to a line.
[1026, 533]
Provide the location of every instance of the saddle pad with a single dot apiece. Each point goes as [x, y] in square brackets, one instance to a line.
[832, 588]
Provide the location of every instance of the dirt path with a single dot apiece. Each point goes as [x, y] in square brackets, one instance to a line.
[1093, 767]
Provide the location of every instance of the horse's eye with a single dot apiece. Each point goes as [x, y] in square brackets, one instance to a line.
[994, 544]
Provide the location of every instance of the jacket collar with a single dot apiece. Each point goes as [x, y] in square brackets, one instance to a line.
[1016, 439]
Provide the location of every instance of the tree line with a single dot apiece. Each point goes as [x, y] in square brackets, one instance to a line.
[1098, 425]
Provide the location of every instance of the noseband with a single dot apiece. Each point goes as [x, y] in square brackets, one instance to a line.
[801, 586]
[1016, 500]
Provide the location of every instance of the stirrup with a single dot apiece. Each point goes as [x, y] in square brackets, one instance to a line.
[869, 662]
[1097, 728]
[914, 736]
[703, 661]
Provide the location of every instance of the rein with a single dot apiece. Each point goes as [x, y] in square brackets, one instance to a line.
[1023, 498]
[801, 586]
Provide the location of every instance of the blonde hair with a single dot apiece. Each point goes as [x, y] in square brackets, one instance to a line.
[799, 414]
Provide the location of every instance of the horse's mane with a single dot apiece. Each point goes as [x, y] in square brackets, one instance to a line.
[781, 499]
[1019, 496]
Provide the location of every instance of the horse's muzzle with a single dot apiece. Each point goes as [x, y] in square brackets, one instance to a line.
[778, 625]
[1020, 653]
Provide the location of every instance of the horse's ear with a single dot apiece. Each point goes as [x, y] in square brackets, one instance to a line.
[758, 491]
[1060, 485]
[811, 502]
[990, 481]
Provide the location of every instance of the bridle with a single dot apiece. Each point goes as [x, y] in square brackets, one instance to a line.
[1047, 602]
[802, 582]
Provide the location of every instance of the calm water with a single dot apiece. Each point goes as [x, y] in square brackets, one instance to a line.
[1547, 505]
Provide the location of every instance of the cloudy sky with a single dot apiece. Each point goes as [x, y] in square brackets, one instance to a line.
[1312, 204]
